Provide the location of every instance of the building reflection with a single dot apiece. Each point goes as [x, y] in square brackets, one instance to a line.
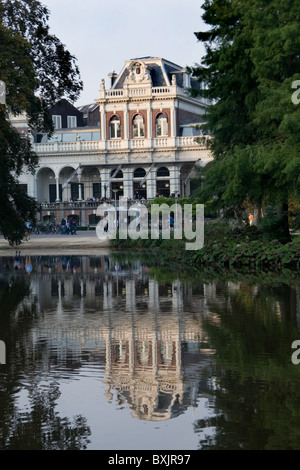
[146, 336]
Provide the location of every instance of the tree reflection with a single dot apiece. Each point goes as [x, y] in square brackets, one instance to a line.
[41, 428]
[256, 389]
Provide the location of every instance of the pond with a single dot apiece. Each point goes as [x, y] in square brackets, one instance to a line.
[112, 353]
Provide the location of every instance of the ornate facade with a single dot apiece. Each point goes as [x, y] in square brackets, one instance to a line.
[144, 145]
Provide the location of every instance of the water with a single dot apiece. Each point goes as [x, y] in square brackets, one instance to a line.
[109, 353]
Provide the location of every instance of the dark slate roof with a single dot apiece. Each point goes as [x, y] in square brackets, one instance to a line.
[157, 74]
[120, 80]
[88, 108]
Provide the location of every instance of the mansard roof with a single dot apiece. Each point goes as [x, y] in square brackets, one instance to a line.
[159, 70]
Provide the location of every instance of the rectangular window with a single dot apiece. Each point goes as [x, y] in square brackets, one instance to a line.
[52, 192]
[75, 191]
[97, 190]
[56, 121]
[71, 122]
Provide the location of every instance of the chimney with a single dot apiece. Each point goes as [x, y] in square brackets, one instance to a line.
[113, 77]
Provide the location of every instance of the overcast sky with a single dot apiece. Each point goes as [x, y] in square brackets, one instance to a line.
[103, 34]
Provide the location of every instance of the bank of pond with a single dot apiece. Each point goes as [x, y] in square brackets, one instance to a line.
[224, 248]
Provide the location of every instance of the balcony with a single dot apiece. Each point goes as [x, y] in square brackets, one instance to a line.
[141, 91]
[116, 144]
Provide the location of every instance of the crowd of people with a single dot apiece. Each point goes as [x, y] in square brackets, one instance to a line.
[68, 226]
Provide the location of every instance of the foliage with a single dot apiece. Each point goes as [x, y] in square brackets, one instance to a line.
[294, 214]
[250, 65]
[16, 207]
[226, 247]
[56, 73]
[37, 70]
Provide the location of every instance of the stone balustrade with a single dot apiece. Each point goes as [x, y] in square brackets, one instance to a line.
[116, 144]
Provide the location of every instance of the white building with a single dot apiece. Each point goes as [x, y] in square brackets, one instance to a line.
[142, 144]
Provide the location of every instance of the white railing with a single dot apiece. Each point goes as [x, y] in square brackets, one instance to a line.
[59, 147]
[163, 90]
[115, 144]
[144, 90]
[139, 143]
[161, 142]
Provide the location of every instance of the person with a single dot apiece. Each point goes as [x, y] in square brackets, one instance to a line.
[74, 228]
[28, 264]
[171, 222]
[28, 231]
[63, 226]
[250, 218]
[71, 225]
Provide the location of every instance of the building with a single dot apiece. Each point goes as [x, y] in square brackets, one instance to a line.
[137, 140]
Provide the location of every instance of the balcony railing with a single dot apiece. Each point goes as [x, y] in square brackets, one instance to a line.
[116, 144]
[139, 91]
[88, 204]
[147, 91]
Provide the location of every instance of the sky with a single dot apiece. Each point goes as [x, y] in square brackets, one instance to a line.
[102, 35]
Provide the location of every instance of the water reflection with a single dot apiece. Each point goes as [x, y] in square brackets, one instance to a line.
[159, 345]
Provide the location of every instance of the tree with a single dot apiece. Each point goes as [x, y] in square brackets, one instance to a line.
[251, 61]
[37, 71]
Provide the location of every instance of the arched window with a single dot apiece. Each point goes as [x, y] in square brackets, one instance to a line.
[115, 128]
[163, 171]
[118, 175]
[161, 125]
[138, 128]
[139, 173]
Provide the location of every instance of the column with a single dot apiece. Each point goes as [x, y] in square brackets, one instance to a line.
[173, 121]
[126, 123]
[128, 183]
[35, 186]
[57, 189]
[151, 184]
[174, 179]
[149, 122]
[79, 188]
[102, 123]
[105, 187]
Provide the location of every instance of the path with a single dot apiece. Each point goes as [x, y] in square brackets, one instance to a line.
[43, 244]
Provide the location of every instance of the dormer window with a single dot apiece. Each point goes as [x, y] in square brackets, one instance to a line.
[71, 122]
[161, 125]
[56, 119]
[115, 128]
[138, 126]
